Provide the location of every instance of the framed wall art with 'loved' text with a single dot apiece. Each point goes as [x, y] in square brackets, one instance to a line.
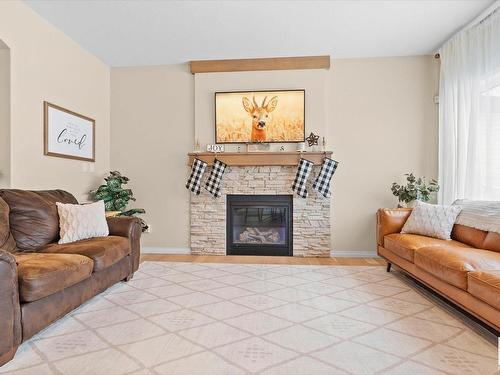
[68, 134]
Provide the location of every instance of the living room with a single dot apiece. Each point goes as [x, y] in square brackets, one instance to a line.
[265, 187]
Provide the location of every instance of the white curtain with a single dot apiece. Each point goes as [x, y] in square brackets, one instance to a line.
[469, 114]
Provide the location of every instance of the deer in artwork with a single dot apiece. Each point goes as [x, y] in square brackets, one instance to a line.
[260, 116]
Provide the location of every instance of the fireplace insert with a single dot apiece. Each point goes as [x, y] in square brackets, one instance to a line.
[259, 225]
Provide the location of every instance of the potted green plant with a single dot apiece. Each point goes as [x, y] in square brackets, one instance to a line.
[416, 189]
[116, 198]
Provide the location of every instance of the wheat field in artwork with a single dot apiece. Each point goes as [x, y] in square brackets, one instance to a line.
[260, 116]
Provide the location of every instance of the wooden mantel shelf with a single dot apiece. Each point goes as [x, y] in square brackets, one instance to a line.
[246, 159]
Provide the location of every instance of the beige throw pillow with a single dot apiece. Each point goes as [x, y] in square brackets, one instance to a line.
[432, 220]
[78, 222]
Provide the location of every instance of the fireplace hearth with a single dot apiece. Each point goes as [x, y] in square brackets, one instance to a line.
[259, 225]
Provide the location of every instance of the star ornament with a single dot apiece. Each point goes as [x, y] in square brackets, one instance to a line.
[312, 140]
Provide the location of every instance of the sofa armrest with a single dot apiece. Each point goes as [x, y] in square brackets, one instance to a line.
[130, 227]
[390, 220]
[10, 309]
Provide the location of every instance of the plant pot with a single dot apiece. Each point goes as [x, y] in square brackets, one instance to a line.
[410, 204]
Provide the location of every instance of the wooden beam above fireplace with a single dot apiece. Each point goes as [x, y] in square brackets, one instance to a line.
[247, 159]
[273, 63]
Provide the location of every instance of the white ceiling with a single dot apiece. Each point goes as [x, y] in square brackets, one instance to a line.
[127, 33]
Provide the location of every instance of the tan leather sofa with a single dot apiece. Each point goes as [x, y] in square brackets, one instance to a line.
[465, 270]
[40, 280]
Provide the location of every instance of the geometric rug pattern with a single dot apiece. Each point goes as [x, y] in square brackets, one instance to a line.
[230, 319]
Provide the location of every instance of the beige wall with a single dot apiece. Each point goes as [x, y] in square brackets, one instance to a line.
[313, 81]
[4, 116]
[383, 123]
[377, 115]
[47, 65]
[152, 116]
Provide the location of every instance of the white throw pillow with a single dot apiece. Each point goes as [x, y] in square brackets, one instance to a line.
[78, 222]
[432, 220]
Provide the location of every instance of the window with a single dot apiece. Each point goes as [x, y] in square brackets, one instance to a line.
[489, 160]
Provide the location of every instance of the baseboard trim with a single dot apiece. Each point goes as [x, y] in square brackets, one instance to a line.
[353, 254]
[165, 250]
[187, 250]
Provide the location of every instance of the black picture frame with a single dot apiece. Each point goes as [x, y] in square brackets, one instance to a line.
[256, 92]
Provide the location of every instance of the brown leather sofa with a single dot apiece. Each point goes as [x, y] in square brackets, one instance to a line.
[465, 269]
[40, 280]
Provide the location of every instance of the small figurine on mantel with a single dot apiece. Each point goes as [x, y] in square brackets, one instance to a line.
[258, 146]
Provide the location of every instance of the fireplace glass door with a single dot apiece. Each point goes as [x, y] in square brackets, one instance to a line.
[259, 225]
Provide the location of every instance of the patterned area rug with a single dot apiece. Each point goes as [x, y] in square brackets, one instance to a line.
[231, 319]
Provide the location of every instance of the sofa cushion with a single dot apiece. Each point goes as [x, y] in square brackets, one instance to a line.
[104, 251]
[467, 235]
[485, 285]
[452, 264]
[476, 238]
[404, 245]
[41, 275]
[7, 241]
[491, 242]
[33, 216]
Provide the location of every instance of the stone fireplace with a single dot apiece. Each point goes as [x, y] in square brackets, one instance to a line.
[309, 218]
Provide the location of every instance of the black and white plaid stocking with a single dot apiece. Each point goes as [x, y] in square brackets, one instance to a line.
[215, 178]
[299, 184]
[194, 181]
[322, 182]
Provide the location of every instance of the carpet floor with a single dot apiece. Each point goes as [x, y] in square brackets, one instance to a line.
[231, 319]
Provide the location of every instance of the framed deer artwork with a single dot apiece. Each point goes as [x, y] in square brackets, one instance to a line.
[275, 116]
